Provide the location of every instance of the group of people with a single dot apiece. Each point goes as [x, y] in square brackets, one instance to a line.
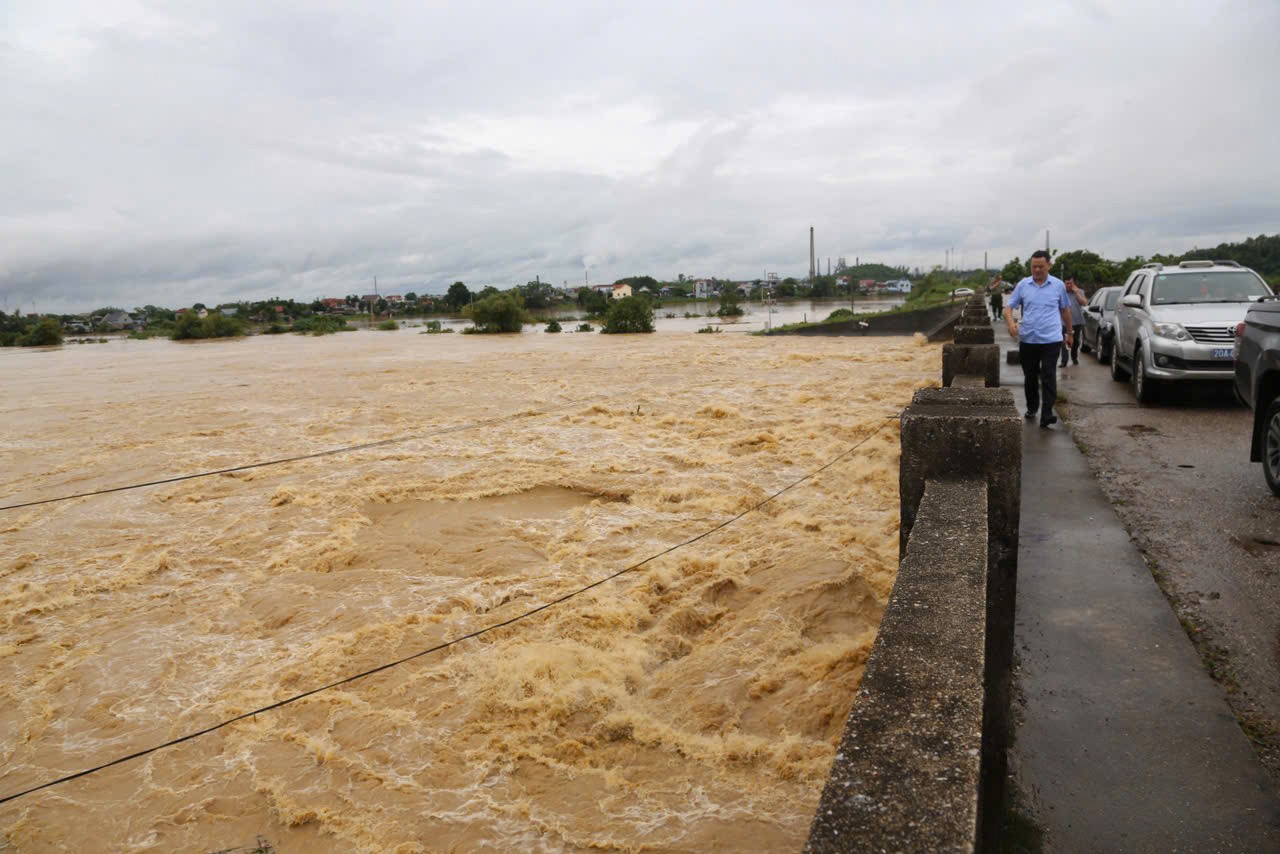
[1047, 326]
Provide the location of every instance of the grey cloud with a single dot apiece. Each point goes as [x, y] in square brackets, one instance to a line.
[218, 151]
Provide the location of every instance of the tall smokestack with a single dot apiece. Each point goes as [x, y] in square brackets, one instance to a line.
[812, 270]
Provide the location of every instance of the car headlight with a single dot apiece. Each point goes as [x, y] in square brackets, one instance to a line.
[1170, 330]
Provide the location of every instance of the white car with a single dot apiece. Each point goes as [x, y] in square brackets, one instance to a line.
[962, 292]
[1178, 323]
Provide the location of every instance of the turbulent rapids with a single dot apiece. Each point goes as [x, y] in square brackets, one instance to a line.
[693, 704]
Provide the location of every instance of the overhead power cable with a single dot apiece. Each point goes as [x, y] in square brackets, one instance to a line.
[316, 455]
[446, 644]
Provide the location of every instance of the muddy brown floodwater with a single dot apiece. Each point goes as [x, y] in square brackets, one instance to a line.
[693, 704]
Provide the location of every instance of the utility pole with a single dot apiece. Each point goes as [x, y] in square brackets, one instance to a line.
[1046, 243]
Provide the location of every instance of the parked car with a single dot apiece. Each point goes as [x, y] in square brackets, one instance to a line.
[1178, 323]
[962, 292]
[1257, 382]
[1099, 317]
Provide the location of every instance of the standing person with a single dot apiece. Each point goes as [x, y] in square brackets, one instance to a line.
[1075, 299]
[997, 297]
[1043, 300]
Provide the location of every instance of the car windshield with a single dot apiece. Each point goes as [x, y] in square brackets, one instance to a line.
[1111, 299]
[1215, 286]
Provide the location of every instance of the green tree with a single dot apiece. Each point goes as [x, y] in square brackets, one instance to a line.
[458, 296]
[592, 301]
[629, 314]
[411, 297]
[46, 333]
[729, 302]
[500, 312]
[822, 286]
[638, 282]
[1015, 271]
[537, 294]
[190, 325]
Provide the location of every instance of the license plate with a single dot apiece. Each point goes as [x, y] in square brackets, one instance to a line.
[1224, 353]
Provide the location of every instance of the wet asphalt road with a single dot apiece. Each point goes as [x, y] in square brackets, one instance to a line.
[1179, 475]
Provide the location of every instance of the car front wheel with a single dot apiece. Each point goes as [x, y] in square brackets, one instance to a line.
[1144, 388]
[1271, 446]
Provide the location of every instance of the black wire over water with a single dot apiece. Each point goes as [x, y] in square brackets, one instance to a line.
[471, 635]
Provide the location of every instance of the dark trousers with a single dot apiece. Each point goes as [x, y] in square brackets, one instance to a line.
[1075, 346]
[1040, 370]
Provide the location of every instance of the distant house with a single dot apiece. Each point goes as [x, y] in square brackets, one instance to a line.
[117, 320]
[842, 281]
[394, 299]
[701, 289]
[333, 303]
[230, 312]
[370, 298]
[613, 291]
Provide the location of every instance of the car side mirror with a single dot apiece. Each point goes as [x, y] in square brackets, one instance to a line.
[1132, 300]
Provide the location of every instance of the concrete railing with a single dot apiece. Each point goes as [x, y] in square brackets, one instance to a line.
[921, 764]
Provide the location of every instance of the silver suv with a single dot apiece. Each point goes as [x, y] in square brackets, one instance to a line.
[1179, 322]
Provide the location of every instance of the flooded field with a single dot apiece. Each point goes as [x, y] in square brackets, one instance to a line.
[692, 704]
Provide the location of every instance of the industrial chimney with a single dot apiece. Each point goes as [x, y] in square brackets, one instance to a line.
[812, 270]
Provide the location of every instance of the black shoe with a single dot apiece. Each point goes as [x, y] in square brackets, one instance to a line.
[1075, 361]
[1063, 365]
[1029, 414]
[1052, 419]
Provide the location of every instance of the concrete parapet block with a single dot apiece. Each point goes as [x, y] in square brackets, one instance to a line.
[955, 434]
[952, 433]
[983, 334]
[907, 775]
[979, 359]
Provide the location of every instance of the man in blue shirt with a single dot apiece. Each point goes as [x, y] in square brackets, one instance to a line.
[1045, 314]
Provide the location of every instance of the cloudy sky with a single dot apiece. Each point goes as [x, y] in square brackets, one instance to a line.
[217, 150]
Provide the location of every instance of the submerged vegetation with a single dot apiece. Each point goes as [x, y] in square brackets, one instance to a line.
[499, 312]
[191, 326]
[628, 315]
[46, 333]
[321, 325]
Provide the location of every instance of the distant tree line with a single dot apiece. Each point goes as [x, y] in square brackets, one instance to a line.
[496, 310]
[1091, 270]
